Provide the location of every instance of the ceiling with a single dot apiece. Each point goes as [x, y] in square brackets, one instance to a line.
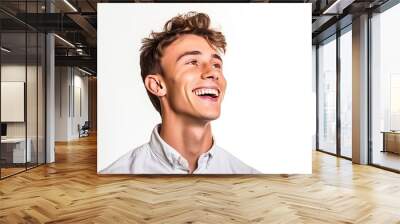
[75, 21]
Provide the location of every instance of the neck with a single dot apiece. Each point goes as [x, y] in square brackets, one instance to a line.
[189, 138]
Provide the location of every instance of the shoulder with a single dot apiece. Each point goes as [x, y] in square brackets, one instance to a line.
[229, 163]
[126, 163]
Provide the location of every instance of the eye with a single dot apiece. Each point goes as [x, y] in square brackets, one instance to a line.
[192, 62]
[217, 65]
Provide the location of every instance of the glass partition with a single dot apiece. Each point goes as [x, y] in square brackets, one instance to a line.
[41, 109]
[346, 93]
[327, 96]
[385, 89]
[22, 89]
[13, 110]
[32, 95]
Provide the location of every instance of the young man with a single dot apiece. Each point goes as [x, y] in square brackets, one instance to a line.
[181, 68]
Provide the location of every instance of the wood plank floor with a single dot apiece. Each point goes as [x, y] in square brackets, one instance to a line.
[388, 159]
[10, 171]
[70, 191]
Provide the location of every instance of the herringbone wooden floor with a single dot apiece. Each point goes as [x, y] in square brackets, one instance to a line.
[70, 191]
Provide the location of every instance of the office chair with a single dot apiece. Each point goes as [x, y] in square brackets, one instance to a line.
[84, 130]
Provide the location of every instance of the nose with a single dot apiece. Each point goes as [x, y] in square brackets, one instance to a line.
[210, 73]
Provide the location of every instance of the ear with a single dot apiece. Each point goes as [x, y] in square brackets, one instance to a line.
[155, 84]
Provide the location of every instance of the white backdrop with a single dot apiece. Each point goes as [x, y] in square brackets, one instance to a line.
[267, 116]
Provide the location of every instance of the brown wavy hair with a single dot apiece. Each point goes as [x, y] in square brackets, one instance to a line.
[153, 46]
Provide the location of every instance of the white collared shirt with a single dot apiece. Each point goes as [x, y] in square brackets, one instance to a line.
[157, 157]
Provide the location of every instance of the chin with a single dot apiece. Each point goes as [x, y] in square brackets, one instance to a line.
[210, 117]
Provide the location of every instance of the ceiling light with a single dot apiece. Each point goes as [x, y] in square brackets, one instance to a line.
[65, 41]
[84, 71]
[70, 5]
[338, 6]
[5, 50]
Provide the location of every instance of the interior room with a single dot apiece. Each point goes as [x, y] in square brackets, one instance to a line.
[49, 126]
[22, 101]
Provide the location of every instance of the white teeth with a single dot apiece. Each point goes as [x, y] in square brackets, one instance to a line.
[204, 91]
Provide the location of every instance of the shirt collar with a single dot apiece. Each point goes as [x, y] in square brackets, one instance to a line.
[168, 153]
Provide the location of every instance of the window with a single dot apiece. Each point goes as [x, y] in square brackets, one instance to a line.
[346, 93]
[385, 88]
[327, 96]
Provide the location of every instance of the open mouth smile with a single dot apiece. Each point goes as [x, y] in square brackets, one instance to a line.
[207, 93]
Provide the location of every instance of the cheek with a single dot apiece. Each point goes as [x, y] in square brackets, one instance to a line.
[181, 87]
[185, 83]
[223, 84]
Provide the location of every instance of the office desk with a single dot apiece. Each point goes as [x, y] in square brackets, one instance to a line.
[391, 141]
[13, 150]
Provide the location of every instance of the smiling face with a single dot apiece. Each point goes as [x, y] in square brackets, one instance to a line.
[193, 77]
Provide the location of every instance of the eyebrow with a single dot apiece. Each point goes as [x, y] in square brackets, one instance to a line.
[197, 53]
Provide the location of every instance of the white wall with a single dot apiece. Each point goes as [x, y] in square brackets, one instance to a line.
[70, 83]
[61, 103]
[17, 73]
[79, 117]
[33, 127]
[12, 73]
